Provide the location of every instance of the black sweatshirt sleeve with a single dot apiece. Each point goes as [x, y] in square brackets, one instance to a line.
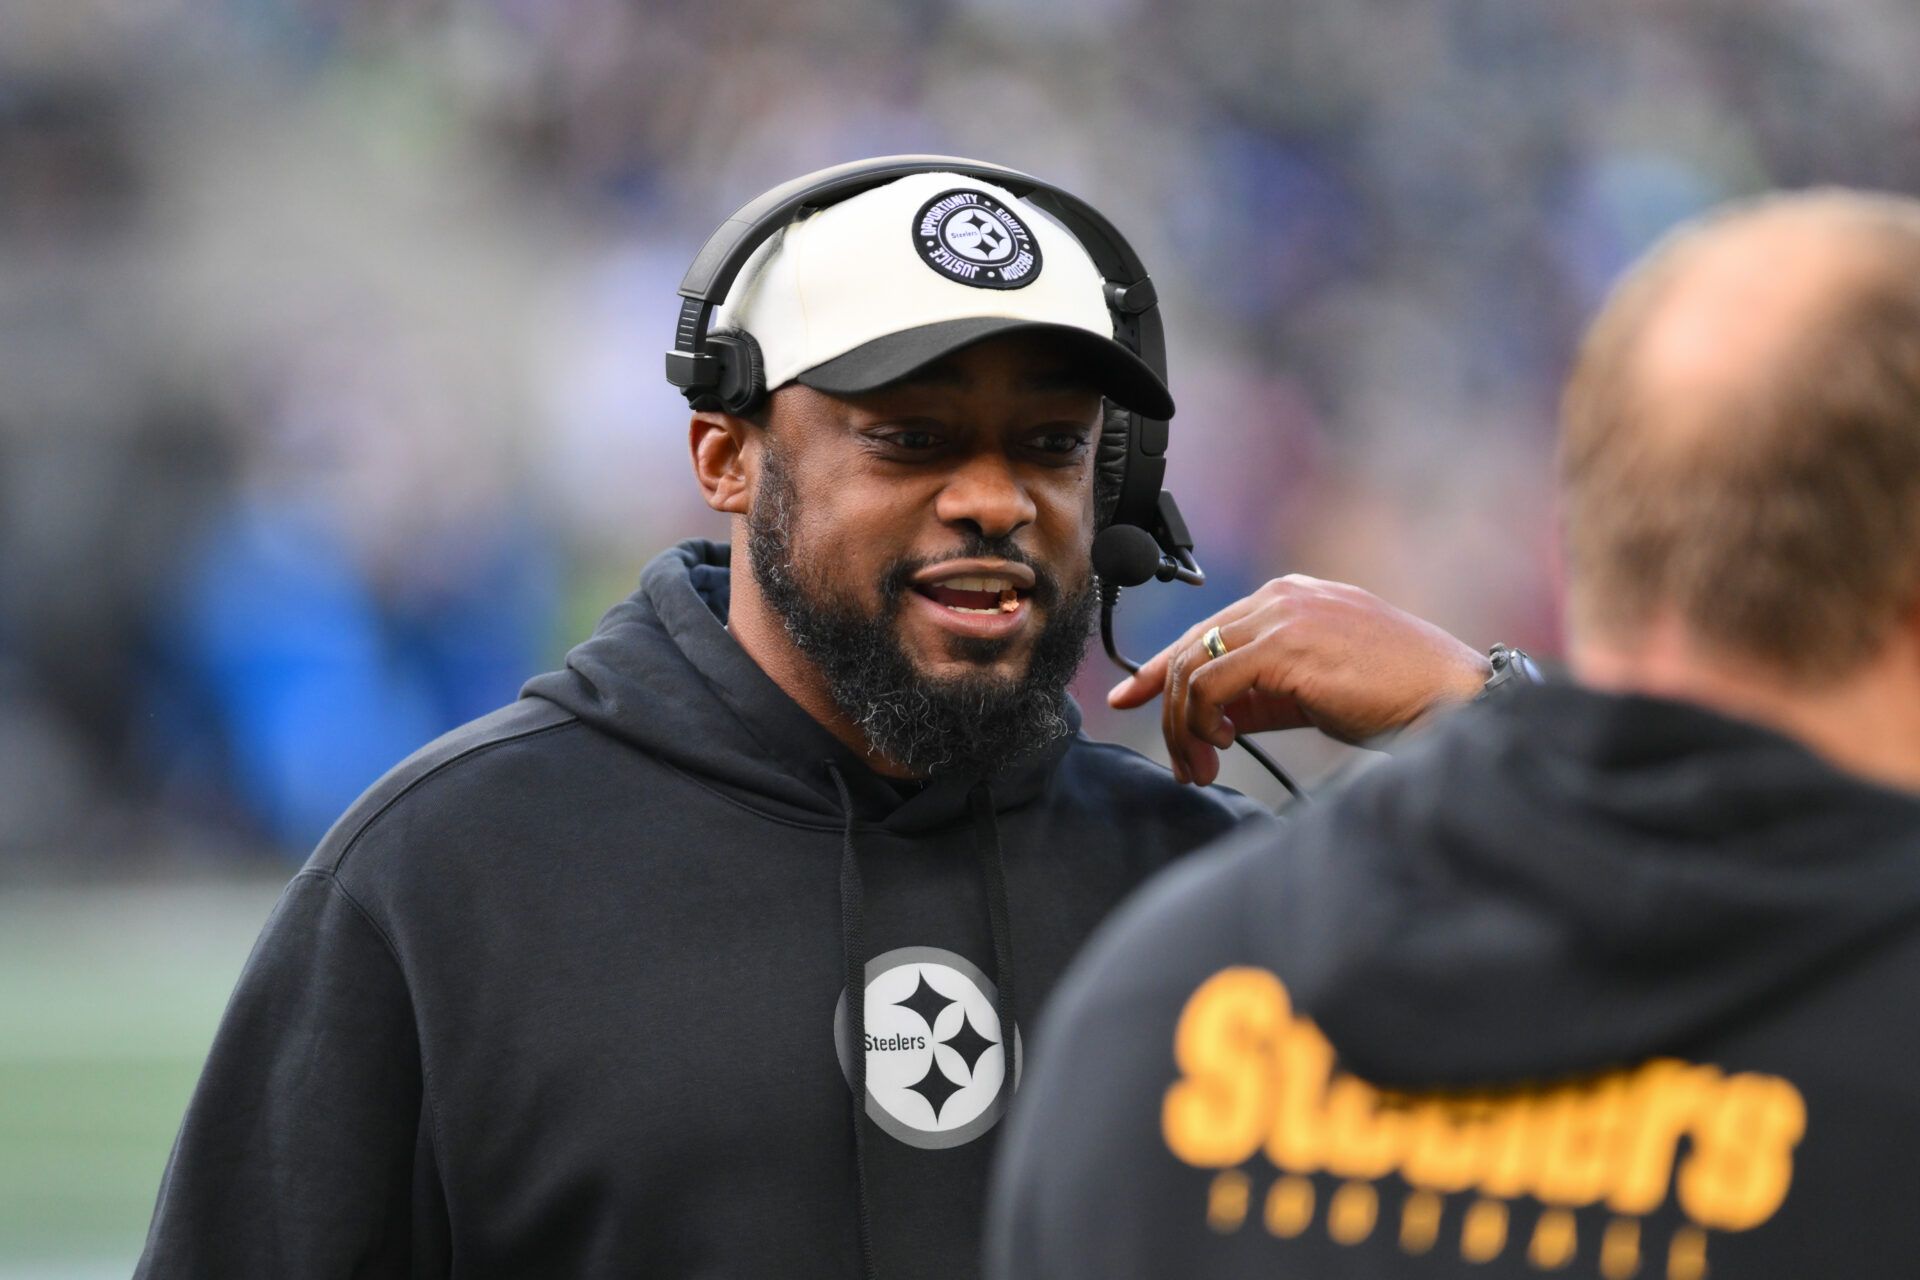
[307, 1149]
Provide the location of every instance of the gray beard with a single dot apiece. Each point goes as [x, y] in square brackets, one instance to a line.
[973, 725]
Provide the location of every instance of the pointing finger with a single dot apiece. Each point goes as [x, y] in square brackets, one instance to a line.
[1151, 679]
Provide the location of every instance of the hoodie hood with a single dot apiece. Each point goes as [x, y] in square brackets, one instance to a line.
[662, 672]
[1564, 880]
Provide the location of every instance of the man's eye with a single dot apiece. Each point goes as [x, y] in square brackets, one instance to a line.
[912, 441]
[1060, 443]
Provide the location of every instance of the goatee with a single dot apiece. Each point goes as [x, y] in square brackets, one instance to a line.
[973, 724]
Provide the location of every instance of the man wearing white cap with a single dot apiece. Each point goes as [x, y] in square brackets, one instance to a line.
[567, 993]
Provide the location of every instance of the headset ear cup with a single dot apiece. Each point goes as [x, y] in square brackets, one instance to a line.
[1110, 462]
[742, 375]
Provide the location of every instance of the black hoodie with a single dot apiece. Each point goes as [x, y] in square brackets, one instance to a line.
[557, 997]
[1585, 986]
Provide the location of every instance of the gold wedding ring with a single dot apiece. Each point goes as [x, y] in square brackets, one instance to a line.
[1213, 644]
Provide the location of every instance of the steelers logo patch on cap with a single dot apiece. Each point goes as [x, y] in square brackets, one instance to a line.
[967, 235]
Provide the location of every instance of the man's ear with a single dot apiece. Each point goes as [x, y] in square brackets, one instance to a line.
[726, 457]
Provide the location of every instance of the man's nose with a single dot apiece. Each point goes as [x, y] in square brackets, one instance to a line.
[987, 493]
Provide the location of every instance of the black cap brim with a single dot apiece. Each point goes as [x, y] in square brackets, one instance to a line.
[1114, 371]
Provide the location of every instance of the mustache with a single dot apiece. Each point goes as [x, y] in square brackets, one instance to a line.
[1046, 591]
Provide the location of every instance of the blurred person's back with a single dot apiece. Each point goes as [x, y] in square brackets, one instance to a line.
[1611, 978]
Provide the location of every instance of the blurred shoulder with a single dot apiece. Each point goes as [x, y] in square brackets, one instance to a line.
[1130, 785]
[1083, 1175]
[1201, 913]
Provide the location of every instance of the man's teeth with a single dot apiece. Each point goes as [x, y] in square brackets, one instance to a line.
[1009, 601]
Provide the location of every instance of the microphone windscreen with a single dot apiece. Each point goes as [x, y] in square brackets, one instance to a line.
[1125, 555]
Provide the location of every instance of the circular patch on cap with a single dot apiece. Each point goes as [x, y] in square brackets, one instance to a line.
[967, 235]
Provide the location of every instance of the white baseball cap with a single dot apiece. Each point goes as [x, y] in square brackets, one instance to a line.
[863, 292]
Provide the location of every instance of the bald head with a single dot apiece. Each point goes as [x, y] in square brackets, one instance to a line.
[1741, 456]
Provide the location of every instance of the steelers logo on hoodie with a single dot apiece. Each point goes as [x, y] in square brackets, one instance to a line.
[936, 1059]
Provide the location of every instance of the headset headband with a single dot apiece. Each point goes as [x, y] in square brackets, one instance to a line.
[698, 371]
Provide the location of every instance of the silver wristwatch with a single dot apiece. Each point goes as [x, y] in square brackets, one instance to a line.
[1512, 669]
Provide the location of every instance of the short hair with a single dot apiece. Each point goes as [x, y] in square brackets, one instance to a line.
[1777, 517]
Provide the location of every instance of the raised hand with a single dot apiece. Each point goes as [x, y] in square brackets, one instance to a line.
[1300, 651]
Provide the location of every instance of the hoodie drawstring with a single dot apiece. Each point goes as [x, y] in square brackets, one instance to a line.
[853, 950]
[993, 869]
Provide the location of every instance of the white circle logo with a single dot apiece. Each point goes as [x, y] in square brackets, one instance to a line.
[969, 236]
[936, 1065]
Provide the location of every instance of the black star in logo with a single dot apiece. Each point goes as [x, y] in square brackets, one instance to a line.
[925, 1001]
[968, 1043]
[935, 1088]
[989, 235]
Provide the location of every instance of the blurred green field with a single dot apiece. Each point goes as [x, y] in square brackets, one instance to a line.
[108, 1001]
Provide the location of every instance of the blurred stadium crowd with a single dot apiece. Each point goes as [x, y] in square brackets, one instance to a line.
[330, 330]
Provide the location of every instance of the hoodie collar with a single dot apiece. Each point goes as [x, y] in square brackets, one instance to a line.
[662, 671]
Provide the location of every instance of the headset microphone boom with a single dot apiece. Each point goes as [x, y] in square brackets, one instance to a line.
[1126, 556]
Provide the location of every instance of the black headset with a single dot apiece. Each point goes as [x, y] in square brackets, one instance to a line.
[1144, 537]
[722, 370]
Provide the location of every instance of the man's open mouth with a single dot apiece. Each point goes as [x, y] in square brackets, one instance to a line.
[975, 594]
